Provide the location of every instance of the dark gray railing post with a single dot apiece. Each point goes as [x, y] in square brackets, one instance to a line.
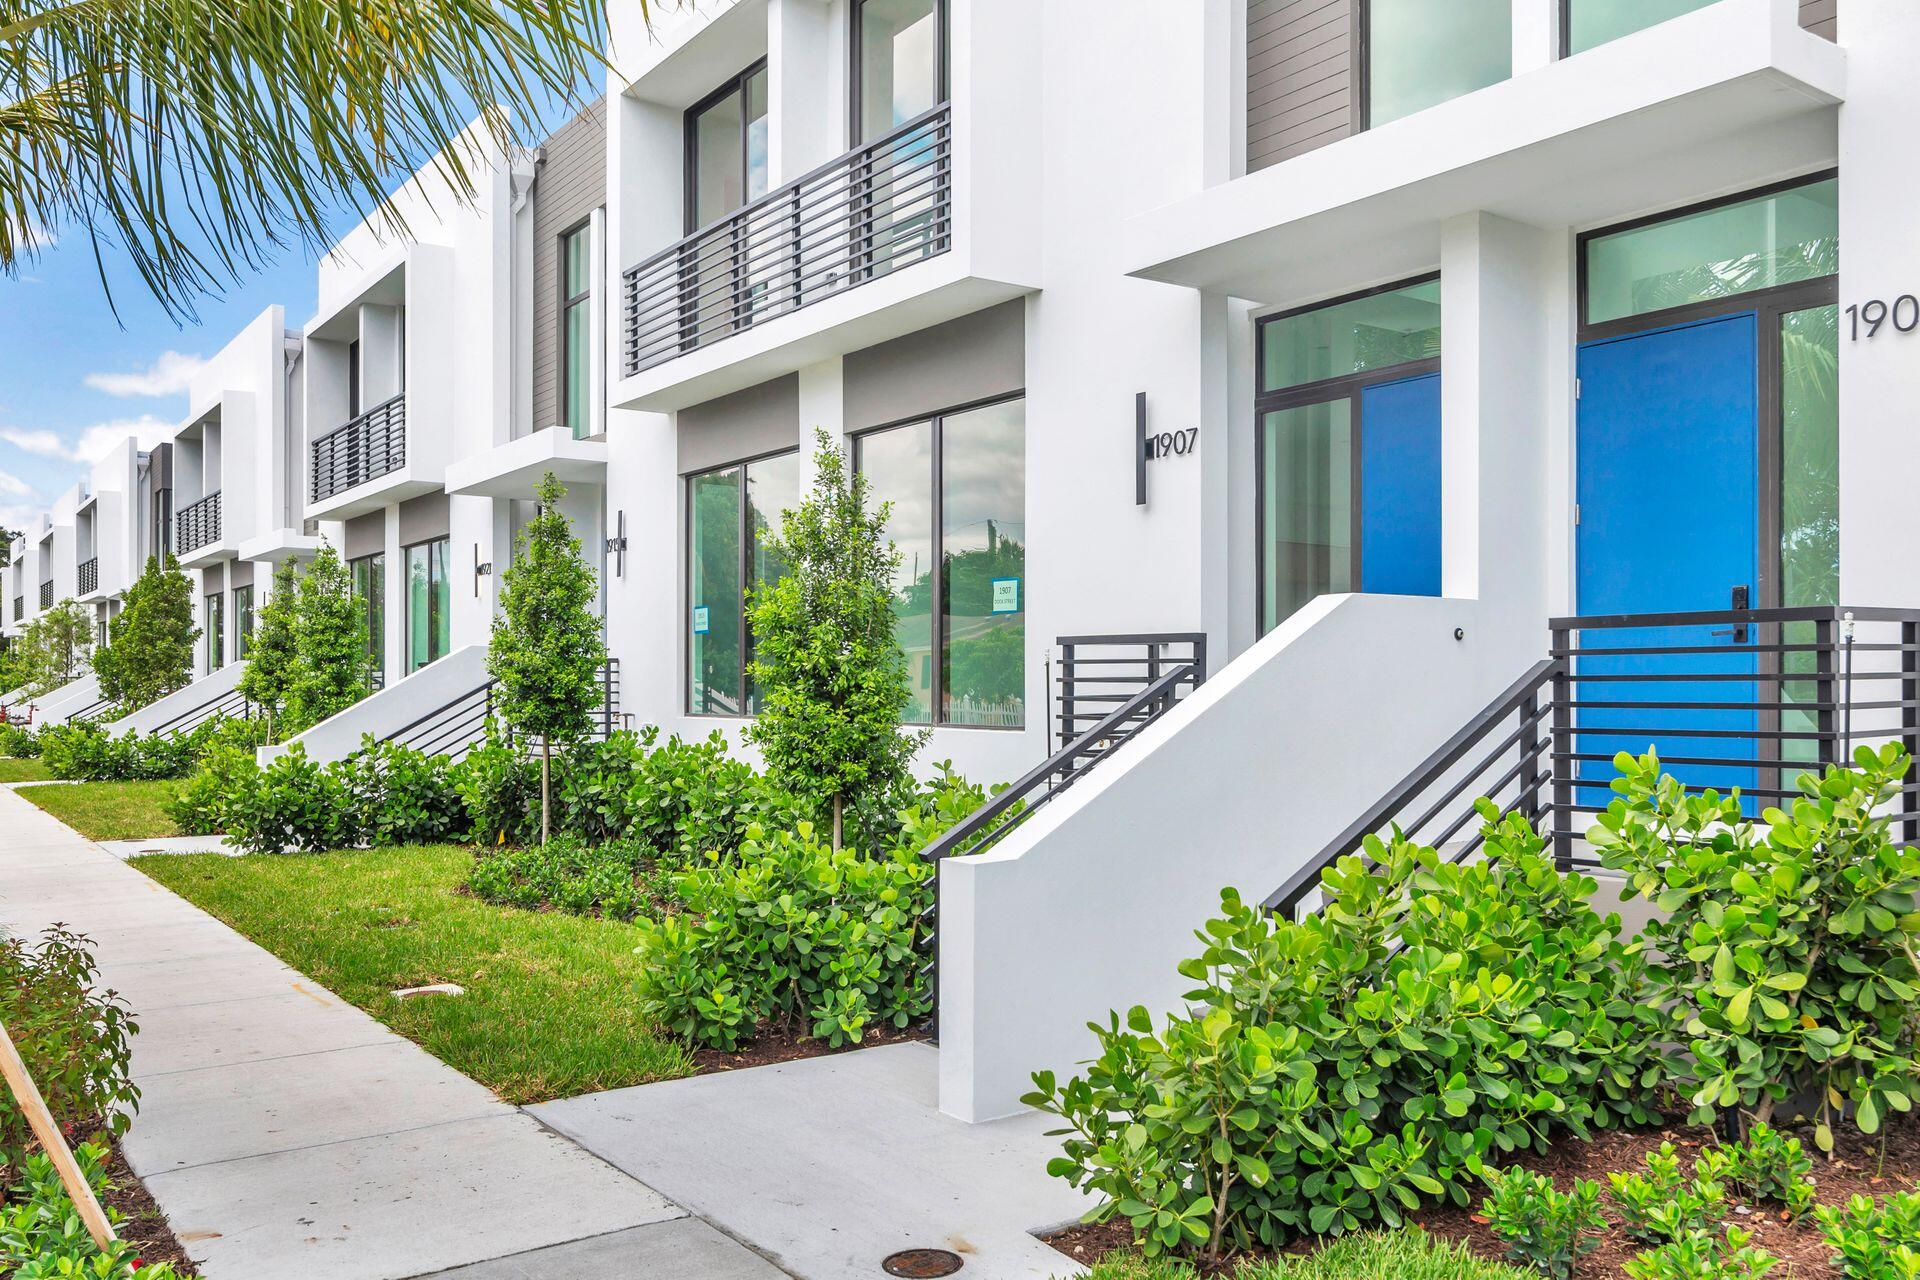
[1530, 758]
[1066, 694]
[1828, 750]
[1910, 716]
[1562, 751]
[606, 698]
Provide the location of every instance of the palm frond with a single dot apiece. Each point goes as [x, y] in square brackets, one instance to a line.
[198, 138]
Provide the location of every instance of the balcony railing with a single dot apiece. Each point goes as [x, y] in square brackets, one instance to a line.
[877, 208]
[19, 608]
[367, 448]
[197, 526]
[46, 594]
[89, 575]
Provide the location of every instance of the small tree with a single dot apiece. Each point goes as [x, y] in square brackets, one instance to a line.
[831, 677]
[328, 673]
[65, 640]
[271, 654]
[149, 649]
[546, 648]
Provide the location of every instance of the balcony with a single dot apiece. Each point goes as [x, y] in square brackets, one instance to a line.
[372, 445]
[46, 594]
[879, 207]
[19, 608]
[197, 525]
[89, 576]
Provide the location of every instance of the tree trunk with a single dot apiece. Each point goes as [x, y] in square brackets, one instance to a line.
[546, 787]
[836, 822]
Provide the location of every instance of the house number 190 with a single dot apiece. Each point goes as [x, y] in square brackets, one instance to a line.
[1874, 314]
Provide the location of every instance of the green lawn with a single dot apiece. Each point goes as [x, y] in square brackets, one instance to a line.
[12, 770]
[1385, 1255]
[550, 1004]
[110, 810]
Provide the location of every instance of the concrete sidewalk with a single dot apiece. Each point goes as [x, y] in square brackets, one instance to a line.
[288, 1135]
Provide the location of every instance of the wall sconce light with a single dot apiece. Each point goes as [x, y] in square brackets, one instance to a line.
[617, 544]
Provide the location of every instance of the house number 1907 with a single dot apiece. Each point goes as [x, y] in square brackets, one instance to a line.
[1169, 444]
[1874, 314]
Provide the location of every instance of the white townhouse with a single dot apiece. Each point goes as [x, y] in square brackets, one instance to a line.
[107, 533]
[1330, 349]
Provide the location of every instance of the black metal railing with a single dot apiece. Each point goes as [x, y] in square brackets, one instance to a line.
[19, 608]
[1745, 699]
[1122, 683]
[46, 594]
[88, 576]
[197, 525]
[103, 709]
[232, 703]
[457, 725]
[879, 207]
[370, 446]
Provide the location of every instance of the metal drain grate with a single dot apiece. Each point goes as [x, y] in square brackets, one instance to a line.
[921, 1263]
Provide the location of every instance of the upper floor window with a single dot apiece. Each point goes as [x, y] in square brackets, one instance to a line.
[727, 148]
[576, 293]
[1420, 54]
[901, 55]
[353, 378]
[1594, 22]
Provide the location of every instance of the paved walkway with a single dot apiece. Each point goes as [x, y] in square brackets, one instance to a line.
[289, 1136]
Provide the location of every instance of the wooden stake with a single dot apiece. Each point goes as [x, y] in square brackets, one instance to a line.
[42, 1122]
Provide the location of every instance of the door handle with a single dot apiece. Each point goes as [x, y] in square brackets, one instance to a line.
[1740, 602]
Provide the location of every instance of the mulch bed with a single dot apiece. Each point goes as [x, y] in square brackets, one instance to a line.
[770, 1047]
[144, 1224]
[1856, 1169]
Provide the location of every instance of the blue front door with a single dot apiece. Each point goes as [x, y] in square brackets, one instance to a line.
[1668, 522]
[1400, 487]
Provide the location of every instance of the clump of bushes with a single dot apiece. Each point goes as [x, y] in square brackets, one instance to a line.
[42, 1237]
[1874, 1241]
[87, 752]
[18, 741]
[384, 795]
[1544, 1228]
[610, 879]
[1340, 1072]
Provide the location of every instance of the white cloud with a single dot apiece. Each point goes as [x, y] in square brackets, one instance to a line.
[167, 376]
[13, 486]
[89, 444]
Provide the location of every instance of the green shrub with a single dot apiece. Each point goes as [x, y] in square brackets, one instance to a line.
[1785, 960]
[567, 873]
[1767, 1165]
[87, 752]
[792, 935]
[1544, 1228]
[74, 1039]
[1339, 1072]
[500, 792]
[294, 805]
[1699, 1256]
[1874, 1241]
[401, 796]
[1369, 1255]
[42, 1237]
[18, 741]
[206, 802]
[1663, 1204]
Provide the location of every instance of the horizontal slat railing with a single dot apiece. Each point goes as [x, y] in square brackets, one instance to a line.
[197, 525]
[1741, 700]
[456, 726]
[232, 703]
[881, 206]
[370, 446]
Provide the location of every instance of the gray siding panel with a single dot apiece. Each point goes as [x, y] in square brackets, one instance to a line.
[570, 184]
[1300, 77]
[365, 535]
[423, 519]
[976, 357]
[747, 424]
[1821, 17]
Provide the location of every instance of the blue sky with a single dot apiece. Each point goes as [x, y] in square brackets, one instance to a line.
[74, 380]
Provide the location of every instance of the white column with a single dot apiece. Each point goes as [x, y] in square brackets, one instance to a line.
[1879, 259]
[1536, 34]
[396, 602]
[822, 406]
[806, 124]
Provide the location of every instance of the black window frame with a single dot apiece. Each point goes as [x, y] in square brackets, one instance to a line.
[690, 144]
[936, 628]
[376, 646]
[942, 69]
[1345, 386]
[242, 619]
[747, 544]
[566, 304]
[216, 637]
[353, 379]
[433, 610]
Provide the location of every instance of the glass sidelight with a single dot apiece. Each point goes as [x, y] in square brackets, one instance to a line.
[734, 514]
[429, 603]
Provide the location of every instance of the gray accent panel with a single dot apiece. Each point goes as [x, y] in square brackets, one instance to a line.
[365, 535]
[424, 518]
[212, 581]
[1822, 17]
[973, 358]
[240, 574]
[1301, 86]
[570, 184]
[747, 424]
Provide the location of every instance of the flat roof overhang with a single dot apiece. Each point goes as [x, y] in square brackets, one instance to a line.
[280, 544]
[1727, 97]
[513, 469]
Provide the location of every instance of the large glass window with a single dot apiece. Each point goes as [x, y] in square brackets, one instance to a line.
[1768, 240]
[242, 621]
[731, 514]
[370, 588]
[1420, 54]
[576, 350]
[1326, 372]
[727, 148]
[967, 657]
[900, 45]
[215, 627]
[1594, 22]
[429, 603]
